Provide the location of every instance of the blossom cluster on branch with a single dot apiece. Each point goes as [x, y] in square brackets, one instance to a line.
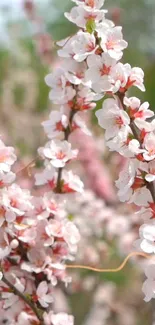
[36, 235]
[91, 61]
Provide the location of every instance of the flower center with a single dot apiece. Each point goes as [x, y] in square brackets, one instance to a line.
[119, 121]
[59, 126]
[60, 155]
[104, 70]
[90, 3]
[110, 44]
[90, 47]
[2, 158]
[152, 152]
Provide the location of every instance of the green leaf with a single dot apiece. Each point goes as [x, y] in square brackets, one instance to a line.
[90, 26]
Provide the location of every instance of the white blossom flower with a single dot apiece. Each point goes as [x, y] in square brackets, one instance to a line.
[48, 176]
[112, 118]
[58, 152]
[56, 125]
[149, 169]
[58, 319]
[72, 183]
[80, 15]
[132, 186]
[122, 77]
[97, 75]
[147, 238]
[137, 110]
[62, 91]
[149, 145]
[74, 71]
[83, 45]
[112, 42]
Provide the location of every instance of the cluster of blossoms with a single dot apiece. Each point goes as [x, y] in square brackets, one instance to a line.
[36, 238]
[91, 69]
[36, 235]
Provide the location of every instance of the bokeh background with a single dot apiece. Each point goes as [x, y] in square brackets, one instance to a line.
[29, 31]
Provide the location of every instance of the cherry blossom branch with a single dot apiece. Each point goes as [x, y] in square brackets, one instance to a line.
[37, 312]
[133, 127]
